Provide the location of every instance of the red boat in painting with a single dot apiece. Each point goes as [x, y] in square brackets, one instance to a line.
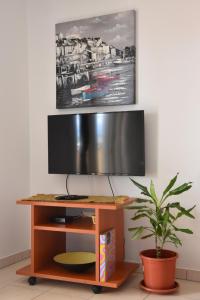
[100, 88]
[104, 79]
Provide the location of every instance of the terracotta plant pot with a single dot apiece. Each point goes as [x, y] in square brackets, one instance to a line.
[159, 273]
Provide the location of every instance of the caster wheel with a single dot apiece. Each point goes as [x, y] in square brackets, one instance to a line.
[32, 280]
[97, 289]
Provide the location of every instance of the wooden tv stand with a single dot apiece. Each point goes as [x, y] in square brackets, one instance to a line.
[49, 239]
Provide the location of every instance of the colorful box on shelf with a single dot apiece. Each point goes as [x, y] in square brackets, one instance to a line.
[107, 254]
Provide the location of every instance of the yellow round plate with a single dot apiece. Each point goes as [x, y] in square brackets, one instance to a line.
[75, 258]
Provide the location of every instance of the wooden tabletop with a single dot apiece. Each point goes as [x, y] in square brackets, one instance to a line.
[103, 202]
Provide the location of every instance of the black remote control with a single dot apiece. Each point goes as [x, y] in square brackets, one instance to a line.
[70, 197]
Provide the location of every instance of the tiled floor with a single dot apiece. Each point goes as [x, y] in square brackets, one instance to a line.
[14, 287]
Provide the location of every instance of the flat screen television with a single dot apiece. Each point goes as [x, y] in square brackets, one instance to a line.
[110, 143]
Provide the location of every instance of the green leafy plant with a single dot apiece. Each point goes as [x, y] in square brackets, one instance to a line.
[161, 214]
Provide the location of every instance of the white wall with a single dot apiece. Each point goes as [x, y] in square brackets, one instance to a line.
[168, 59]
[14, 133]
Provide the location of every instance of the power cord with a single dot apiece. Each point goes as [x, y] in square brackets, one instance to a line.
[110, 185]
[67, 185]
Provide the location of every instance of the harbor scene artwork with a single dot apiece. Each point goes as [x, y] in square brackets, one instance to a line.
[95, 61]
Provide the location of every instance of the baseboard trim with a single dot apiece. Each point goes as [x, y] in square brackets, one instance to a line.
[14, 258]
[185, 274]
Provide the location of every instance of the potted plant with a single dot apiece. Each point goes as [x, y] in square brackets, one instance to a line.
[159, 263]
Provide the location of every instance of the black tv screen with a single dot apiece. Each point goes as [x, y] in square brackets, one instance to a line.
[97, 143]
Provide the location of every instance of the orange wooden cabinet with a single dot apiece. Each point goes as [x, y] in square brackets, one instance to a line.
[49, 239]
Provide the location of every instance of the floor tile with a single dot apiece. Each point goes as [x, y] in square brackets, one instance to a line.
[189, 289]
[10, 292]
[121, 293]
[166, 297]
[8, 274]
[133, 281]
[54, 296]
[82, 291]
[7, 277]
[15, 287]
[41, 285]
[16, 266]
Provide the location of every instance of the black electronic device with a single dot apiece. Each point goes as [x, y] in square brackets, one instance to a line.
[70, 197]
[109, 143]
[64, 219]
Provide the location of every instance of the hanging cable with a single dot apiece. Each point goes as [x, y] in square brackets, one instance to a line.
[67, 185]
[110, 186]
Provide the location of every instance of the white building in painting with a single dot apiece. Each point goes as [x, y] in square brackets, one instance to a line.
[83, 50]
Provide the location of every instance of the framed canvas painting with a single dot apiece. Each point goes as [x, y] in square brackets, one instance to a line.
[95, 61]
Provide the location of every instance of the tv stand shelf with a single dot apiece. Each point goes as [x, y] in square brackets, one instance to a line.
[83, 225]
[49, 239]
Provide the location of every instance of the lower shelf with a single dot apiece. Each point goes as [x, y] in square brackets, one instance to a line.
[54, 271]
